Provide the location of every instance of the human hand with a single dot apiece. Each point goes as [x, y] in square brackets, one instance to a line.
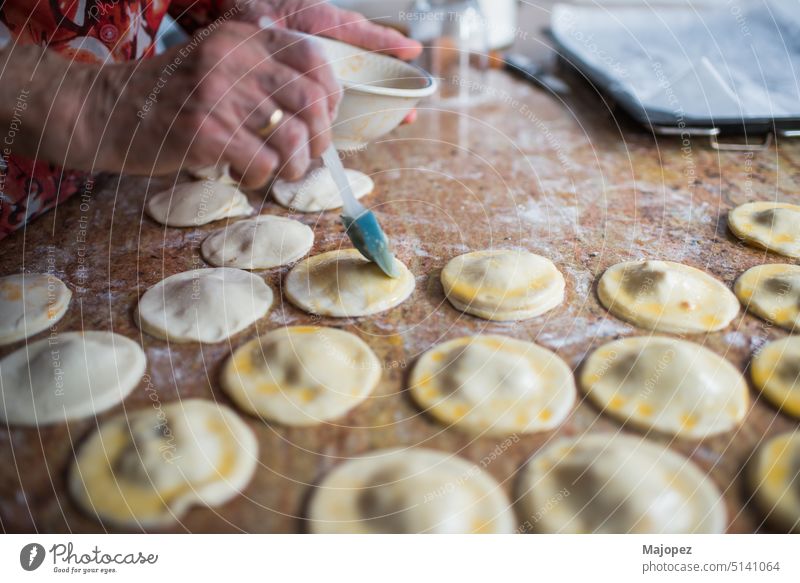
[205, 103]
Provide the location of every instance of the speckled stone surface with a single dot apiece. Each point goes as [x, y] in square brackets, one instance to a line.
[518, 168]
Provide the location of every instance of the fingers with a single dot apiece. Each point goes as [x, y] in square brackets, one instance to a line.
[301, 98]
[290, 139]
[252, 162]
[353, 28]
[307, 58]
[411, 117]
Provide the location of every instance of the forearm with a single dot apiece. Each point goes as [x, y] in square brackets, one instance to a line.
[41, 94]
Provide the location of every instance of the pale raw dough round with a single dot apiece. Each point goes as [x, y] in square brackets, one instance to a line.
[667, 297]
[503, 284]
[494, 385]
[261, 243]
[616, 484]
[191, 204]
[203, 305]
[770, 225]
[775, 370]
[68, 376]
[146, 468]
[666, 384]
[218, 172]
[29, 304]
[301, 376]
[410, 490]
[344, 284]
[775, 479]
[773, 293]
[317, 191]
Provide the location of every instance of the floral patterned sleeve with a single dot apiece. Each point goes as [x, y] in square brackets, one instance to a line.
[96, 31]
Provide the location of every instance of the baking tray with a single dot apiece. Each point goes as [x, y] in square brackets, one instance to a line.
[709, 69]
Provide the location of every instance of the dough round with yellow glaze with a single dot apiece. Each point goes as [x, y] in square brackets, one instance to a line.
[666, 384]
[410, 490]
[302, 375]
[261, 243]
[775, 479]
[344, 284]
[317, 191]
[503, 284]
[191, 204]
[146, 468]
[616, 484]
[774, 226]
[29, 304]
[665, 296]
[773, 293]
[68, 376]
[203, 305]
[776, 372]
[494, 385]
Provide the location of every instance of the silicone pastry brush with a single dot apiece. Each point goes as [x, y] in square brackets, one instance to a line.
[360, 223]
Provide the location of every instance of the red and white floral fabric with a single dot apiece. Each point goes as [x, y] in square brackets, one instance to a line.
[84, 30]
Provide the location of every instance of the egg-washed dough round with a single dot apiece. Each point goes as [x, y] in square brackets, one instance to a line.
[203, 305]
[666, 384]
[503, 284]
[493, 385]
[775, 479]
[69, 376]
[773, 226]
[146, 468]
[409, 490]
[191, 204]
[773, 293]
[317, 191]
[776, 372]
[616, 484]
[29, 304]
[302, 375]
[261, 243]
[665, 296]
[344, 284]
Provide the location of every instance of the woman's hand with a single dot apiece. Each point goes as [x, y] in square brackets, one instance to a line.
[206, 102]
[324, 19]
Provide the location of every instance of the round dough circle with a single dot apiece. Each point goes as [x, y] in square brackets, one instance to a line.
[775, 480]
[494, 385]
[665, 296]
[344, 284]
[145, 469]
[776, 372]
[191, 204]
[616, 484]
[409, 490]
[261, 243]
[503, 284]
[302, 375]
[68, 376]
[203, 305]
[317, 191]
[773, 293]
[29, 304]
[666, 384]
[773, 226]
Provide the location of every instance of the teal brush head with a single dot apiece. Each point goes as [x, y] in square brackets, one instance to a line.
[367, 236]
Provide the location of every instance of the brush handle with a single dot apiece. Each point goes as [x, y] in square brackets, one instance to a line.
[351, 206]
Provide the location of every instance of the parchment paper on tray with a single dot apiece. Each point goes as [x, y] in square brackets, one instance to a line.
[726, 63]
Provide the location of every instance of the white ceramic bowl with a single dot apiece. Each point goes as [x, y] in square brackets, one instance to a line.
[379, 91]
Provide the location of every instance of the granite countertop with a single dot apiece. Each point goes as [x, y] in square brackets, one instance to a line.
[518, 168]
